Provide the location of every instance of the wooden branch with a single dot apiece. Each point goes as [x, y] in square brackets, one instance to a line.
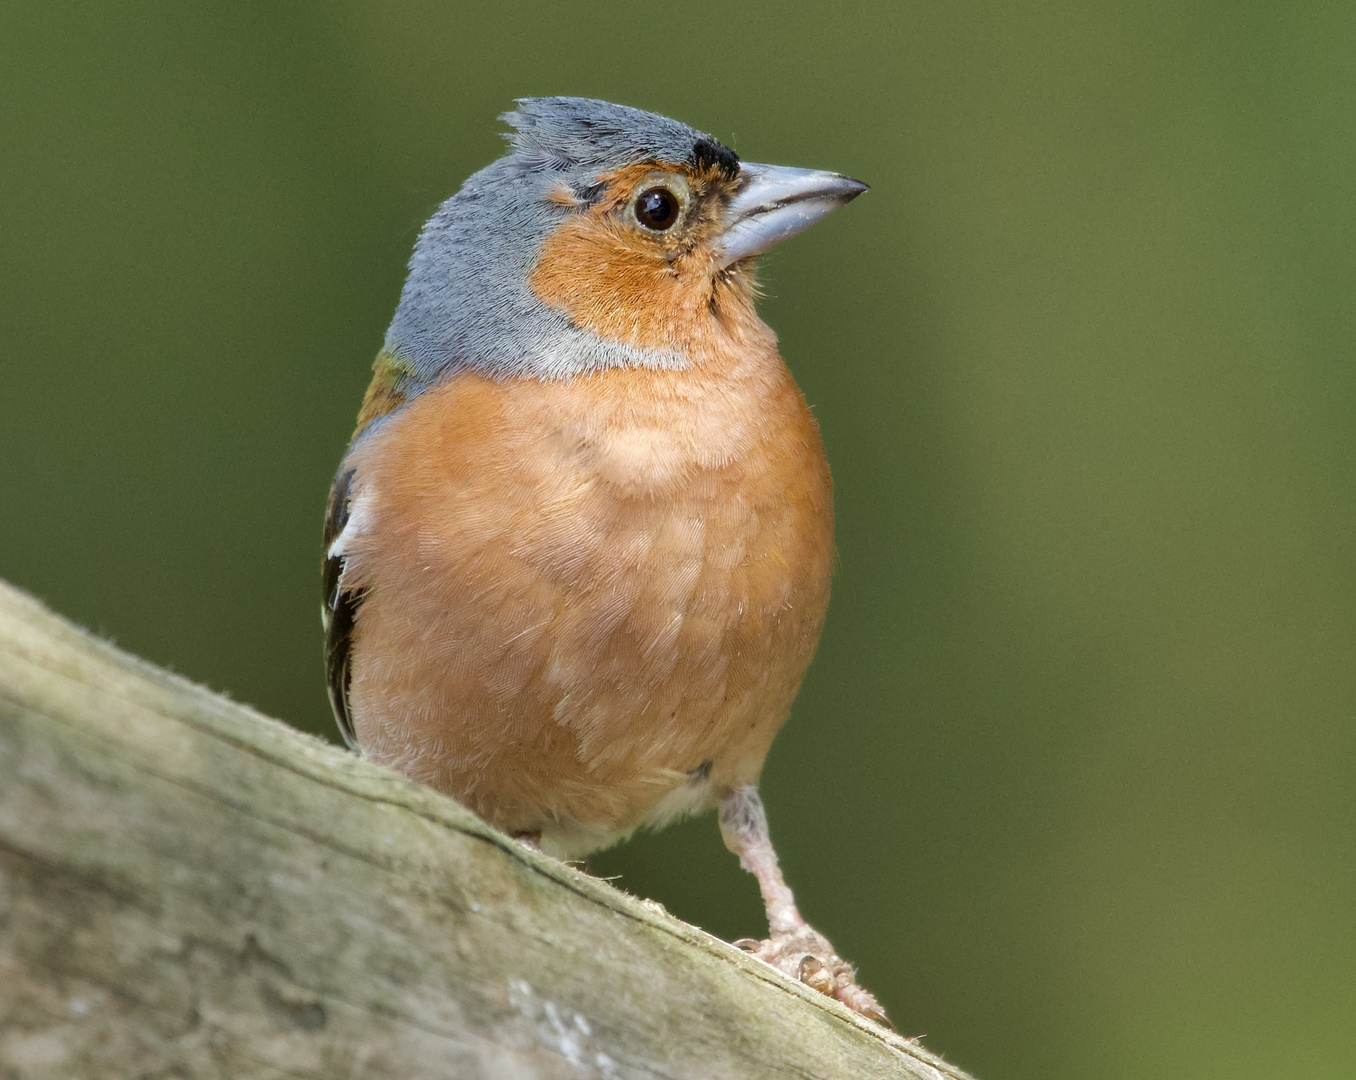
[190, 889]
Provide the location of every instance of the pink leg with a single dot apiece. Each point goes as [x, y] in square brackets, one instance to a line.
[743, 827]
[794, 947]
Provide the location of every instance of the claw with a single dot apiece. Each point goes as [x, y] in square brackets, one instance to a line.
[816, 976]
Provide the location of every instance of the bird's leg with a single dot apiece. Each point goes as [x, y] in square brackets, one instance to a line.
[793, 947]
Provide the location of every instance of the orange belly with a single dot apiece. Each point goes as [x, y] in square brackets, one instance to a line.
[582, 594]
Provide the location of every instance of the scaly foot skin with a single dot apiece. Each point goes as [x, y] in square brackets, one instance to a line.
[806, 955]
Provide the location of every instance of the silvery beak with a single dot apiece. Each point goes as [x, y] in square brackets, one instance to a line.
[775, 202]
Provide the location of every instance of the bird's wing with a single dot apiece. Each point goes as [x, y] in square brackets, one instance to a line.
[339, 605]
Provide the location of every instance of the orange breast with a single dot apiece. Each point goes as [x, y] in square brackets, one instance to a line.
[579, 591]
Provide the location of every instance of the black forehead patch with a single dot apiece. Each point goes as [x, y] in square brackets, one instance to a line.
[707, 152]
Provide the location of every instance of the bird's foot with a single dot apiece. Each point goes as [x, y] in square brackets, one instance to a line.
[806, 954]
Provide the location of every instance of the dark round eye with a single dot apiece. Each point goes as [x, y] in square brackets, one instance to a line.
[657, 208]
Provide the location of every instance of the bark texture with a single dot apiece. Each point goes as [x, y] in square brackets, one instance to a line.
[191, 889]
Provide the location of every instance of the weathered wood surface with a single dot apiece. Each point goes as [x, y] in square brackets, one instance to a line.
[190, 889]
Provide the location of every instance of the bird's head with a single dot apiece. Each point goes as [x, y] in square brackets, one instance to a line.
[607, 237]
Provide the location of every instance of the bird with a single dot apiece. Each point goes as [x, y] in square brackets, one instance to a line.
[577, 554]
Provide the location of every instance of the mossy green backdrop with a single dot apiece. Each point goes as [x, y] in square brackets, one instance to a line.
[1073, 777]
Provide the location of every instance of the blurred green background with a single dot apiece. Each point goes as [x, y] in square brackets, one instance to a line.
[1072, 777]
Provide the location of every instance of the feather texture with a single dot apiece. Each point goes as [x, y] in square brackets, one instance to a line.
[576, 593]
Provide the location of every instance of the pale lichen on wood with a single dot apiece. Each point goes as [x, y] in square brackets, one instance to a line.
[190, 889]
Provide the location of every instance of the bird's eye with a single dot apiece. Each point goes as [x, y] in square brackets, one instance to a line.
[657, 208]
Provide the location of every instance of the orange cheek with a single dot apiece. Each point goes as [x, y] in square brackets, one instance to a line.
[617, 286]
[624, 285]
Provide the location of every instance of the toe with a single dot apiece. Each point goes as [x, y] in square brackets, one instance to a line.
[808, 957]
[863, 1002]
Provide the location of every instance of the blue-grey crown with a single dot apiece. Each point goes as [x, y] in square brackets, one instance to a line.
[563, 134]
[466, 303]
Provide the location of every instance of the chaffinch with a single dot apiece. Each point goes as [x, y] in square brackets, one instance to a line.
[577, 554]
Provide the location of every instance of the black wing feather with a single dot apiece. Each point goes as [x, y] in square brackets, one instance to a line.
[339, 607]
